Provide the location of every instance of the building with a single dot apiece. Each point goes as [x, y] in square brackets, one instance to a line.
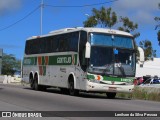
[150, 68]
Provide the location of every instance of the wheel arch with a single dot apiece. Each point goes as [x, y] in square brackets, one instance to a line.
[72, 77]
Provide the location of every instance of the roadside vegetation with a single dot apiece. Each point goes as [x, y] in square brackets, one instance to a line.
[10, 64]
[142, 93]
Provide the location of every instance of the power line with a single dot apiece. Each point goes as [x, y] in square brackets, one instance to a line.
[20, 19]
[83, 5]
[88, 5]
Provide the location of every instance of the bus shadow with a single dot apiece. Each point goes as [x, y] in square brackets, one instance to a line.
[81, 94]
[1, 88]
[49, 90]
[99, 96]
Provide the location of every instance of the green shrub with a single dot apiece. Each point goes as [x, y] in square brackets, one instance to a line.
[146, 93]
[143, 93]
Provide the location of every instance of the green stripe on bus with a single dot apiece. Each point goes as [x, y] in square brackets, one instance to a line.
[53, 60]
[105, 78]
[63, 60]
[30, 61]
[118, 79]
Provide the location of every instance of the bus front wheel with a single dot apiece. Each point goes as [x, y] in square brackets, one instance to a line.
[72, 91]
[111, 95]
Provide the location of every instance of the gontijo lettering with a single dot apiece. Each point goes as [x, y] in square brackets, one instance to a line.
[64, 60]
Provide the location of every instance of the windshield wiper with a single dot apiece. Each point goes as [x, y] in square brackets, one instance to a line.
[122, 71]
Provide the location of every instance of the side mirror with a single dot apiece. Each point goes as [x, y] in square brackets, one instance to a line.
[141, 54]
[88, 50]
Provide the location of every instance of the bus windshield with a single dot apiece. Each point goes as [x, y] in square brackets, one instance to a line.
[112, 55]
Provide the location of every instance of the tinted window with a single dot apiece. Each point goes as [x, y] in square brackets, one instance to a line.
[73, 42]
[57, 43]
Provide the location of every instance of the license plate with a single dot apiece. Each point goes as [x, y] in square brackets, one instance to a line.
[112, 89]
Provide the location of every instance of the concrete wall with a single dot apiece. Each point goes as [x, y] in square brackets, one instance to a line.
[9, 79]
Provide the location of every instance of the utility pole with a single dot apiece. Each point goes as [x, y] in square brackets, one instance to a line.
[41, 22]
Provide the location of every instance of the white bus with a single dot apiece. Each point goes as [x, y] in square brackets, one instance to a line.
[81, 59]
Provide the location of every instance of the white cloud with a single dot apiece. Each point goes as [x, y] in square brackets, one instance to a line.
[7, 6]
[140, 11]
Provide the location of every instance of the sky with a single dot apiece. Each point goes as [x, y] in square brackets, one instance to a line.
[20, 19]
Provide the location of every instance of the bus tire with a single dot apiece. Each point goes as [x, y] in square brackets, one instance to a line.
[111, 95]
[36, 83]
[42, 88]
[64, 91]
[32, 83]
[38, 87]
[72, 91]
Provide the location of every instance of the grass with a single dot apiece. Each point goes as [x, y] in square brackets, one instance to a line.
[124, 95]
[148, 93]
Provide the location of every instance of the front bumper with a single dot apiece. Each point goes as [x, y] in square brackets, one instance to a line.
[98, 87]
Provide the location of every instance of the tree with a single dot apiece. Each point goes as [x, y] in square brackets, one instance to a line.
[91, 22]
[103, 17]
[148, 49]
[129, 26]
[10, 64]
[157, 19]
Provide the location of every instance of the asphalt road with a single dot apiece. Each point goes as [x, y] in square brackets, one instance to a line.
[22, 98]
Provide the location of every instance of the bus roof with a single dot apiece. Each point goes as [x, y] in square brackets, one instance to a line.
[87, 29]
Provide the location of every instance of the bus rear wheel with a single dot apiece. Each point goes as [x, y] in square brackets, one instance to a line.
[32, 83]
[37, 86]
[64, 91]
[36, 83]
[111, 95]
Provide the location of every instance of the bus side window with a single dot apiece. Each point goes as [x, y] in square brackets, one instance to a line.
[55, 43]
[61, 45]
[73, 46]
